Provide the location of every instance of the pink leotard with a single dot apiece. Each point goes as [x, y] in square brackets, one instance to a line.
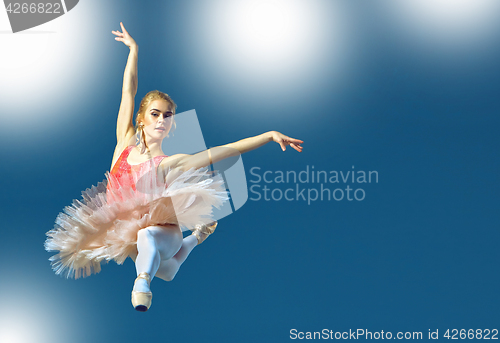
[124, 174]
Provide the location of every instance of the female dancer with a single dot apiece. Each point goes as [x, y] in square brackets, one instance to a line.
[148, 197]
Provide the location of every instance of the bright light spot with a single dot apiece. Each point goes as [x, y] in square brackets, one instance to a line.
[17, 329]
[32, 313]
[43, 66]
[276, 45]
[449, 21]
[266, 30]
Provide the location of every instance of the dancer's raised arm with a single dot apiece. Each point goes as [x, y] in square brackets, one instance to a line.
[214, 155]
[124, 126]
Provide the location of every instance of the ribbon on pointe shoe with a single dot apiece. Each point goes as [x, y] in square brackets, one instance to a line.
[202, 231]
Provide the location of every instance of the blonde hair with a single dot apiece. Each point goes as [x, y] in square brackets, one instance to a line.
[148, 98]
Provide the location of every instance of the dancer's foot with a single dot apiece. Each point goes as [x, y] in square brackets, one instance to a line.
[202, 231]
[141, 295]
[141, 285]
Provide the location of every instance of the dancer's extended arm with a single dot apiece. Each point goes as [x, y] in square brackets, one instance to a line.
[213, 155]
[124, 126]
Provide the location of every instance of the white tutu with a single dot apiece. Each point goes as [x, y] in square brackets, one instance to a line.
[104, 225]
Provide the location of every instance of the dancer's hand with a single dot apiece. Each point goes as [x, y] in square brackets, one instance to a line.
[283, 141]
[125, 37]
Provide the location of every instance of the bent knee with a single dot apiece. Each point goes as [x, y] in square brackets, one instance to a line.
[166, 276]
[144, 234]
[169, 277]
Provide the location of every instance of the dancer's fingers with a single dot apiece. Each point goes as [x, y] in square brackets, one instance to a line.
[298, 148]
[283, 146]
[123, 28]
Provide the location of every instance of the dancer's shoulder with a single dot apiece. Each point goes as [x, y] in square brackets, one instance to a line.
[173, 161]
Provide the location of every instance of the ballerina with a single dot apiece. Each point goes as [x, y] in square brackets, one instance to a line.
[148, 198]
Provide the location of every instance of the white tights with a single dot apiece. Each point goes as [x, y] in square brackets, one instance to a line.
[161, 251]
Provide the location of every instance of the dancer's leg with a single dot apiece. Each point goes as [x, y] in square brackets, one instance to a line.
[155, 243]
[168, 268]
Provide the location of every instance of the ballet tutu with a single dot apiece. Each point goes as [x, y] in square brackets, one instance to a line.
[103, 225]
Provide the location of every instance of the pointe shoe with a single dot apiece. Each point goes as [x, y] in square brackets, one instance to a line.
[142, 300]
[202, 231]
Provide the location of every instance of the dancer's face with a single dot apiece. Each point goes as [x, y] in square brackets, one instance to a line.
[158, 119]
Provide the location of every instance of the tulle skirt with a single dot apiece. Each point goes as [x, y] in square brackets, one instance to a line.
[103, 226]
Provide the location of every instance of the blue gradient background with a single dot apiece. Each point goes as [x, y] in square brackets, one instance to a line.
[419, 252]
